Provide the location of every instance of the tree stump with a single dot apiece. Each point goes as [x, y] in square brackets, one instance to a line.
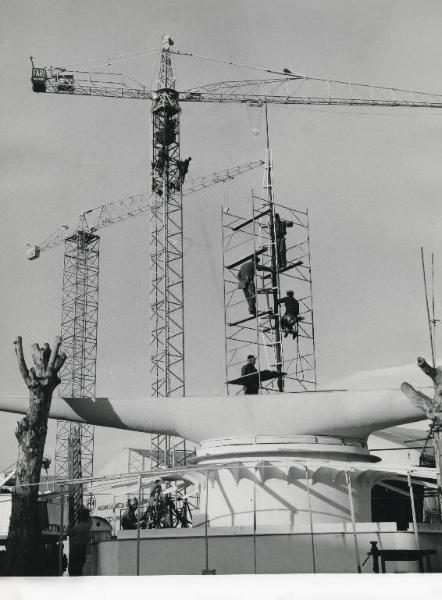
[24, 525]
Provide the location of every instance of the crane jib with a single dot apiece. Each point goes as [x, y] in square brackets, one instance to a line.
[61, 81]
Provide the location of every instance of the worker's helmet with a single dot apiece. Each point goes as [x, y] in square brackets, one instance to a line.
[290, 292]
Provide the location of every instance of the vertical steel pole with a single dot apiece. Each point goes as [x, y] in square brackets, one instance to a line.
[274, 261]
[310, 517]
[114, 522]
[206, 523]
[255, 278]
[60, 537]
[353, 521]
[311, 296]
[139, 523]
[254, 524]
[437, 442]
[225, 299]
[413, 510]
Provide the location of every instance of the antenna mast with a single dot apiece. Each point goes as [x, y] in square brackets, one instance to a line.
[430, 318]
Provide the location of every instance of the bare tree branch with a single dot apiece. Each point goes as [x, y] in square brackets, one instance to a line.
[46, 354]
[61, 359]
[426, 368]
[54, 355]
[21, 360]
[418, 398]
[37, 357]
[431, 406]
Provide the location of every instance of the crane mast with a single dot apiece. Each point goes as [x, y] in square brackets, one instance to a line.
[74, 447]
[166, 255]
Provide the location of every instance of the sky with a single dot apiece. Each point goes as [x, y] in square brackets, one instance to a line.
[370, 179]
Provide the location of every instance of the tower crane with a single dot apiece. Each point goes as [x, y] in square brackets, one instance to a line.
[281, 87]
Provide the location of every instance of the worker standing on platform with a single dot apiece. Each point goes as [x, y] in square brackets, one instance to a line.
[280, 233]
[289, 320]
[246, 278]
[251, 386]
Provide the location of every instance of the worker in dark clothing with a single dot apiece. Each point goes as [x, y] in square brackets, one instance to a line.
[183, 167]
[280, 233]
[252, 385]
[129, 518]
[246, 278]
[157, 514]
[79, 535]
[289, 320]
[161, 161]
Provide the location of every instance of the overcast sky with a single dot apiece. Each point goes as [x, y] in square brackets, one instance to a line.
[370, 178]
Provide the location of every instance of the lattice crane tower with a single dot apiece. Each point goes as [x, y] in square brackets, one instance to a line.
[74, 448]
[166, 254]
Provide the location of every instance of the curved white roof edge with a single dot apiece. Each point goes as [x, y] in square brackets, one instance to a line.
[339, 413]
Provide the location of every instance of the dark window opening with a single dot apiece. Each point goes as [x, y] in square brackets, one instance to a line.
[392, 506]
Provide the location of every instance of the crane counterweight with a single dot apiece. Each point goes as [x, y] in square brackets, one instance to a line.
[32, 252]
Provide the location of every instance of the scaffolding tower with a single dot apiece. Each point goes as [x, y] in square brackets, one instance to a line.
[282, 263]
[74, 449]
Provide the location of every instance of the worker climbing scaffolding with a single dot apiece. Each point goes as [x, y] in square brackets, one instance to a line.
[246, 279]
[289, 321]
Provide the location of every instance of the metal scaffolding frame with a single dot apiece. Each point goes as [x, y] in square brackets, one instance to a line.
[140, 459]
[262, 335]
[75, 442]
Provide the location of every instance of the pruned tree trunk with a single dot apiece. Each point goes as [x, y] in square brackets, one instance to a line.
[24, 526]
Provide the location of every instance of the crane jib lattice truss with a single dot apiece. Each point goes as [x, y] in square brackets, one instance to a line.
[110, 213]
[297, 90]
